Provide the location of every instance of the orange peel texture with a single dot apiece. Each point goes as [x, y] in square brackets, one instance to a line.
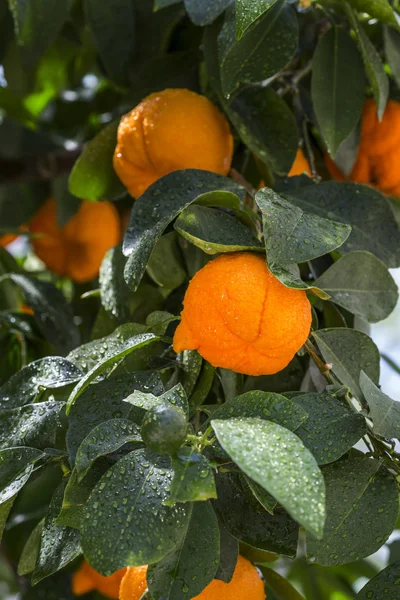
[240, 317]
[76, 249]
[379, 150]
[134, 583]
[168, 131]
[86, 580]
[300, 165]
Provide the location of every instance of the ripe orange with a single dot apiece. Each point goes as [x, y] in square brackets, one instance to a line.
[134, 583]
[76, 249]
[86, 579]
[379, 150]
[171, 130]
[300, 165]
[7, 238]
[240, 317]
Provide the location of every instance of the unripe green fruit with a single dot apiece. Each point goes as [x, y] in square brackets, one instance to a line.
[164, 428]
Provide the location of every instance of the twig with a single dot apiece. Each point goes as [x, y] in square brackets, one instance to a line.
[324, 368]
[238, 177]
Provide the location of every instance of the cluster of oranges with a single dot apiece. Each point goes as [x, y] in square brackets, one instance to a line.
[130, 584]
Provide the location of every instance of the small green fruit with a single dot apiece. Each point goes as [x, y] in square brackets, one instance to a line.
[164, 428]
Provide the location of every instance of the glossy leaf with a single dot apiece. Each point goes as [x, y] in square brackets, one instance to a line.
[193, 479]
[33, 425]
[59, 545]
[248, 11]
[114, 293]
[30, 553]
[77, 493]
[358, 490]
[204, 12]
[160, 204]
[104, 439]
[214, 231]
[93, 176]
[229, 552]
[384, 412]
[258, 447]
[125, 520]
[391, 38]
[266, 125]
[264, 498]
[264, 51]
[5, 509]
[349, 352]
[338, 85]
[52, 313]
[280, 587]
[361, 283]
[48, 372]
[332, 428]
[16, 466]
[373, 64]
[185, 572]
[386, 583]
[165, 264]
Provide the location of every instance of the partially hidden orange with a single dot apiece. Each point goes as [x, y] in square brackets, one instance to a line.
[134, 583]
[86, 580]
[171, 130]
[77, 249]
[377, 162]
[240, 317]
[300, 165]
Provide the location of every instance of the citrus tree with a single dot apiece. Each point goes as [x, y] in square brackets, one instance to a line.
[198, 208]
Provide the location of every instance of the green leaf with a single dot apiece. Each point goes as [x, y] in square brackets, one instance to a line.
[277, 460]
[125, 520]
[245, 518]
[384, 412]
[361, 283]
[331, 428]
[104, 401]
[263, 405]
[161, 203]
[158, 4]
[386, 583]
[266, 125]
[126, 347]
[380, 9]
[373, 64]
[215, 231]
[358, 490]
[338, 86]
[191, 363]
[59, 545]
[5, 509]
[33, 425]
[165, 265]
[263, 497]
[193, 478]
[306, 236]
[114, 293]
[391, 39]
[48, 372]
[113, 27]
[185, 572]
[93, 176]
[76, 495]
[104, 439]
[203, 386]
[248, 11]
[229, 553]
[264, 51]
[204, 12]
[352, 203]
[30, 553]
[349, 352]
[281, 588]
[52, 313]
[16, 466]
[37, 25]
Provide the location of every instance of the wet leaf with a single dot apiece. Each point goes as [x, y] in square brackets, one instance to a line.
[76, 495]
[277, 460]
[105, 439]
[332, 428]
[361, 283]
[114, 293]
[384, 412]
[263, 497]
[125, 520]
[5, 509]
[16, 466]
[386, 583]
[165, 265]
[349, 352]
[193, 479]
[33, 425]
[160, 204]
[185, 572]
[358, 490]
[59, 545]
[338, 85]
[30, 553]
[214, 231]
[248, 11]
[204, 12]
[203, 386]
[228, 557]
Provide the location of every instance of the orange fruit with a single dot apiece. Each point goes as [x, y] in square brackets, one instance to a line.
[86, 579]
[7, 238]
[171, 130]
[379, 150]
[300, 165]
[76, 249]
[134, 583]
[240, 317]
